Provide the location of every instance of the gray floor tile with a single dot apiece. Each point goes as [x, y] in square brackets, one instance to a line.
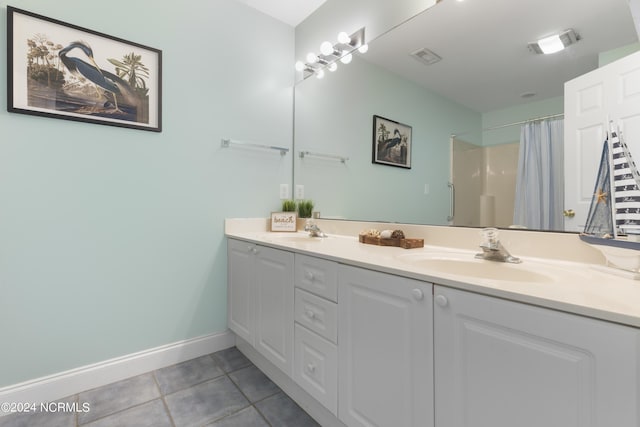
[231, 359]
[150, 414]
[117, 397]
[38, 420]
[205, 403]
[253, 383]
[281, 411]
[187, 374]
[246, 418]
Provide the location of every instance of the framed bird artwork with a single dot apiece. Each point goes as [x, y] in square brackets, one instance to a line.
[391, 143]
[61, 70]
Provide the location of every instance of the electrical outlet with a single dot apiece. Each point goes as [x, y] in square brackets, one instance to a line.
[284, 191]
[426, 189]
[299, 192]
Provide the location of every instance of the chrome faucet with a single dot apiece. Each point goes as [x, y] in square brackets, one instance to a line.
[492, 249]
[313, 229]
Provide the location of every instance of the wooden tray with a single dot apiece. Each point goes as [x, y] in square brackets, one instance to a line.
[403, 243]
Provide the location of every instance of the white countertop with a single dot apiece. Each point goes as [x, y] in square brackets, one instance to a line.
[569, 286]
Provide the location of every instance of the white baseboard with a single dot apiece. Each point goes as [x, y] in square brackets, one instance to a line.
[68, 383]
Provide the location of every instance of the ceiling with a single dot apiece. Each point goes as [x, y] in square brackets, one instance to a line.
[291, 12]
[486, 64]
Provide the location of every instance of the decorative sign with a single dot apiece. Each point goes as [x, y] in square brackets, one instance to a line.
[284, 221]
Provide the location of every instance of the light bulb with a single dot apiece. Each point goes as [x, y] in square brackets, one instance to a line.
[551, 44]
[326, 48]
[363, 48]
[320, 74]
[333, 66]
[344, 38]
[312, 57]
[300, 66]
[346, 58]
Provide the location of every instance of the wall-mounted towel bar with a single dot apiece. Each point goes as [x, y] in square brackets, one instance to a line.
[323, 156]
[226, 143]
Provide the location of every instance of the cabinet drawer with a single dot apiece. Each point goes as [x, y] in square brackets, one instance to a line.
[316, 367]
[317, 314]
[317, 276]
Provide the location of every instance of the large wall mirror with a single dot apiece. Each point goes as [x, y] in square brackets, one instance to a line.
[485, 81]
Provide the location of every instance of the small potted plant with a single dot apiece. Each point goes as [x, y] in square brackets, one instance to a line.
[288, 206]
[305, 208]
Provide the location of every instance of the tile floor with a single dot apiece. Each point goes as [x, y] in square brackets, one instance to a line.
[223, 389]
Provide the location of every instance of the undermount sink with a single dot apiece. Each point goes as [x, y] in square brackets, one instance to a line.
[477, 268]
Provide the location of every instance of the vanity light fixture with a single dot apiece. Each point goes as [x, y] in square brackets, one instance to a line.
[331, 53]
[554, 43]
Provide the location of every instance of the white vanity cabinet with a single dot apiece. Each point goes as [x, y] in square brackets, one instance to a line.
[385, 351]
[316, 329]
[502, 364]
[260, 299]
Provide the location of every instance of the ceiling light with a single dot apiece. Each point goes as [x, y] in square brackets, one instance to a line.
[315, 63]
[346, 58]
[554, 43]
[326, 48]
[344, 38]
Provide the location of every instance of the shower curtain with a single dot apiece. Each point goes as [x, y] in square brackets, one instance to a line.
[539, 198]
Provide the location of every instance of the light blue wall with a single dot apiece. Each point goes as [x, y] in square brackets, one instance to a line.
[335, 116]
[613, 55]
[111, 240]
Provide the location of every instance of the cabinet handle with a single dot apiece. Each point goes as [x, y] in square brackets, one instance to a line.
[311, 368]
[310, 314]
[418, 295]
[442, 301]
[309, 275]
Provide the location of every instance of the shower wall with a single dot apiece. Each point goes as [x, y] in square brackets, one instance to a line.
[485, 183]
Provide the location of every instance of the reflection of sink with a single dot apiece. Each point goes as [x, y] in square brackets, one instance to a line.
[477, 268]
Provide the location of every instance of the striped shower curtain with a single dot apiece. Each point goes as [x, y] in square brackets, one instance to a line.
[539, 198]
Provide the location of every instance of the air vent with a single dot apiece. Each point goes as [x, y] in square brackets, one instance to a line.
[426, 56]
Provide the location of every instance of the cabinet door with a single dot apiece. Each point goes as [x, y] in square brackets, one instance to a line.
[502, 364]
[274, 306]
[385, 359]
[240, 299]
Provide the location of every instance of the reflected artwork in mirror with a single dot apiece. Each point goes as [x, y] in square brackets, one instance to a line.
[465, 110]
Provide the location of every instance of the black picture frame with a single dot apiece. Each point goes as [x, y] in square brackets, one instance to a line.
[391, 143]
[50, 74]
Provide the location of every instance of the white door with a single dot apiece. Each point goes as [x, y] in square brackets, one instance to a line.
[608, 93]
[240, 299]
[274, 306]
[384, 350]
[504, 364]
